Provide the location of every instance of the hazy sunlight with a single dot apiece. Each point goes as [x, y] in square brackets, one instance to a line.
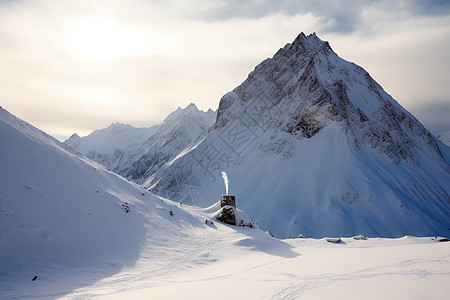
[99, 39]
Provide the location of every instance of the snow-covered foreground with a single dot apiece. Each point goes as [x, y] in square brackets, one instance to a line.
[221, 261]
[246, 264]
[70, 229]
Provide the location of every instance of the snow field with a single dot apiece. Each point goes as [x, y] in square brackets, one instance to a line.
[248, 264]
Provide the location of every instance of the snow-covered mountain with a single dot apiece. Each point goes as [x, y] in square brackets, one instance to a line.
[136, 153]
[312, 144]
[445, 138]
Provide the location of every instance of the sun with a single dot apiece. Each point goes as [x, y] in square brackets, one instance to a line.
[99, 39]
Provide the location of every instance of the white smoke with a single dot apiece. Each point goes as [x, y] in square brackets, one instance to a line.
[225, 180]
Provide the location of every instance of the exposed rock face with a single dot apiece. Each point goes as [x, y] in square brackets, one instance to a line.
[306, 86]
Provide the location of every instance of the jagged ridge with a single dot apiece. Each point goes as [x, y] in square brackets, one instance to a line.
[136, 153]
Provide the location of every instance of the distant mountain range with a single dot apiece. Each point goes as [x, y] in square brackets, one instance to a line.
[445, 137]
[136, 153]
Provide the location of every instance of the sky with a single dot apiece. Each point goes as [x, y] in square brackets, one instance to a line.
[75, 66]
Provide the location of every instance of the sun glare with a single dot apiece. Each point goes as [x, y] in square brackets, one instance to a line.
[99, 39]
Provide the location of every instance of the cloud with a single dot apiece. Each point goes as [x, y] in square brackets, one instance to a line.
[343, 16]
[182, 61]
[340, 16]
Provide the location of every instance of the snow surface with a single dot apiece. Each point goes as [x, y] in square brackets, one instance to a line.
[260, 268]
[87, 233]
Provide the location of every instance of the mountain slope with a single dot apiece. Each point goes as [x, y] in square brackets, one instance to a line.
[54, 202]
[312, 144]
[61, 212]
[136, 153]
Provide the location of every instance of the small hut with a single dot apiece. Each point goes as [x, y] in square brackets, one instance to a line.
[228, 209]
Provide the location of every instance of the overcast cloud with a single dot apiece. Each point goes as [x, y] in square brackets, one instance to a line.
[75, 66]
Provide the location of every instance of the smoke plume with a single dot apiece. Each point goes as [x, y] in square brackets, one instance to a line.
[225, 180]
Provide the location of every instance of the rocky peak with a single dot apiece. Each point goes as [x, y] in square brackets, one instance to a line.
[293, 66]
[189, 112]
[308, 44]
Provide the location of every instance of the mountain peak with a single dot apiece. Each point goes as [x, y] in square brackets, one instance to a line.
[308, 44]
[191, 106]
[118, 124]
[311, 39]
[445, 138]
[72, 139]
[182, 112]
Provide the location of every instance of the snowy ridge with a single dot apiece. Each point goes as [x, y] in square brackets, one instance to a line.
[136, 153]
[312, 144]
